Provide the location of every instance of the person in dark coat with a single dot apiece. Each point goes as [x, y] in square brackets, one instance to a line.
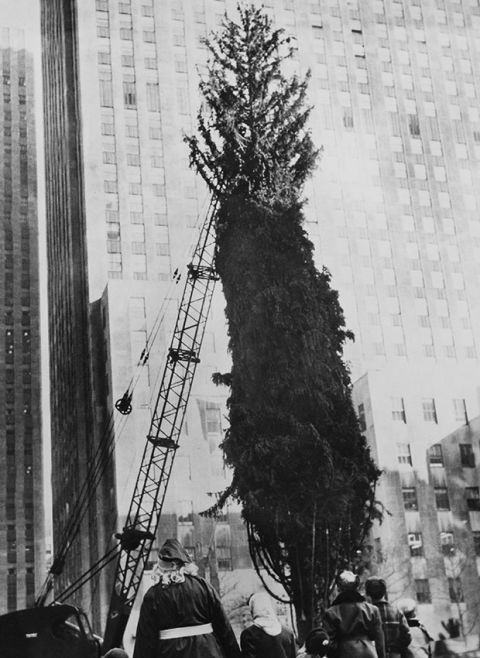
[395, 628]
[181, 616]
[353, 624]
[266, 637]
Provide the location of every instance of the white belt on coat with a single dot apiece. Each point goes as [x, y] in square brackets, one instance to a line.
[185, 631]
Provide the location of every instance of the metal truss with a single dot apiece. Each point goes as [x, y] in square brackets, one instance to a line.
[164, 433]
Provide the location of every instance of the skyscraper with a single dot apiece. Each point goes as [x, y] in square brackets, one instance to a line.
[392, 210]
[22, 537]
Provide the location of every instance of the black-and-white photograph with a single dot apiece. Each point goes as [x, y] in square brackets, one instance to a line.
[239, 294]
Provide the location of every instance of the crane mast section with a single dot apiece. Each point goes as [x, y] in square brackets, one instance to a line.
[164, 432]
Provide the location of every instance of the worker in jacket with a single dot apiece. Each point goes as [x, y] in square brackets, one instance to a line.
[181, 615]
[353, 625]
[395, 628]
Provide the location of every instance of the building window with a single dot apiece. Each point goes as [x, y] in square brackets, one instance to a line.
[441, 498]
[110, 186]
[108, 128]
[447, 543]
[160, 219]
[127, 60]
[435, 455]
[476, 542]
[131, 130]
[410, 498]
[124, 8]
[162, 249]
[472, 496]
[150, 63]
[109, 157]
[404, 454]
[186, 514]
[11, 590]
[103, 31]
[467, 456]
[106, 94]
[126, 33]
[415, 543]
[135, 188]
[429, 410]
[149, 36]
[460, 410]
[361, 417]
[213, 418]
[413, 124]
[129, 94]
[455, 590]
[422, 590]
[153, 97]
[398, 410]
[136, 217]
[133, 159]
[104, 58]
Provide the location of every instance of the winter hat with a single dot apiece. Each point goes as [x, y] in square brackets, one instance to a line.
[347, 581]
[317, 642]
[408, 607]
[263, 613]
[171, 554]
[375, 588]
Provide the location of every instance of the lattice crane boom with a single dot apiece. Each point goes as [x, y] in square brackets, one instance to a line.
[164, 433]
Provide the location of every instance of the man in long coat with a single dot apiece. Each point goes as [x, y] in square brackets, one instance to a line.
[181, 615]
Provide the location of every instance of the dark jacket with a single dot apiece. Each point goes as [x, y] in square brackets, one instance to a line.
[191, 603]
[256, 643]
[395, 628]
[355, 626]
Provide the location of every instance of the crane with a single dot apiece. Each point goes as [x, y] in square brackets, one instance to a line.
[37, 628]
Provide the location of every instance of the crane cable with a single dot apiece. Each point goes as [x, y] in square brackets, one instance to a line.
[160, 316]
[88, 575]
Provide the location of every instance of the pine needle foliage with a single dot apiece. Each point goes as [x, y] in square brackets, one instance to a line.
[302, 470]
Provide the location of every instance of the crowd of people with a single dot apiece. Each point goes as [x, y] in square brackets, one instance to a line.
[181, 616]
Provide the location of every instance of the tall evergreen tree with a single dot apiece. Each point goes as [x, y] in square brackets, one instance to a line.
[301, 468]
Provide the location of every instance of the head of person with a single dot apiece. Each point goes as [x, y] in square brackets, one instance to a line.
[347, 581]
[375, 588]
[263, 613]
[317, 642]
[173, 562]
[408, 607]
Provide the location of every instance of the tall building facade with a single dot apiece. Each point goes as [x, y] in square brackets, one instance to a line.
[22, 526]
[392, 210]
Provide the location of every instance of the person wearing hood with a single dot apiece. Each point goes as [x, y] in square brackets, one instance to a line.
[353, 624]
[421, 644]
[266, 637]
[181, 615]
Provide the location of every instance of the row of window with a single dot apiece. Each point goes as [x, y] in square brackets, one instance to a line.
[447, 543]
[131, 130]
[442, 501]
[12, 603]
[129, 94]
[435, 455]
[423, 593]
[429, 411]
[136, 217]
